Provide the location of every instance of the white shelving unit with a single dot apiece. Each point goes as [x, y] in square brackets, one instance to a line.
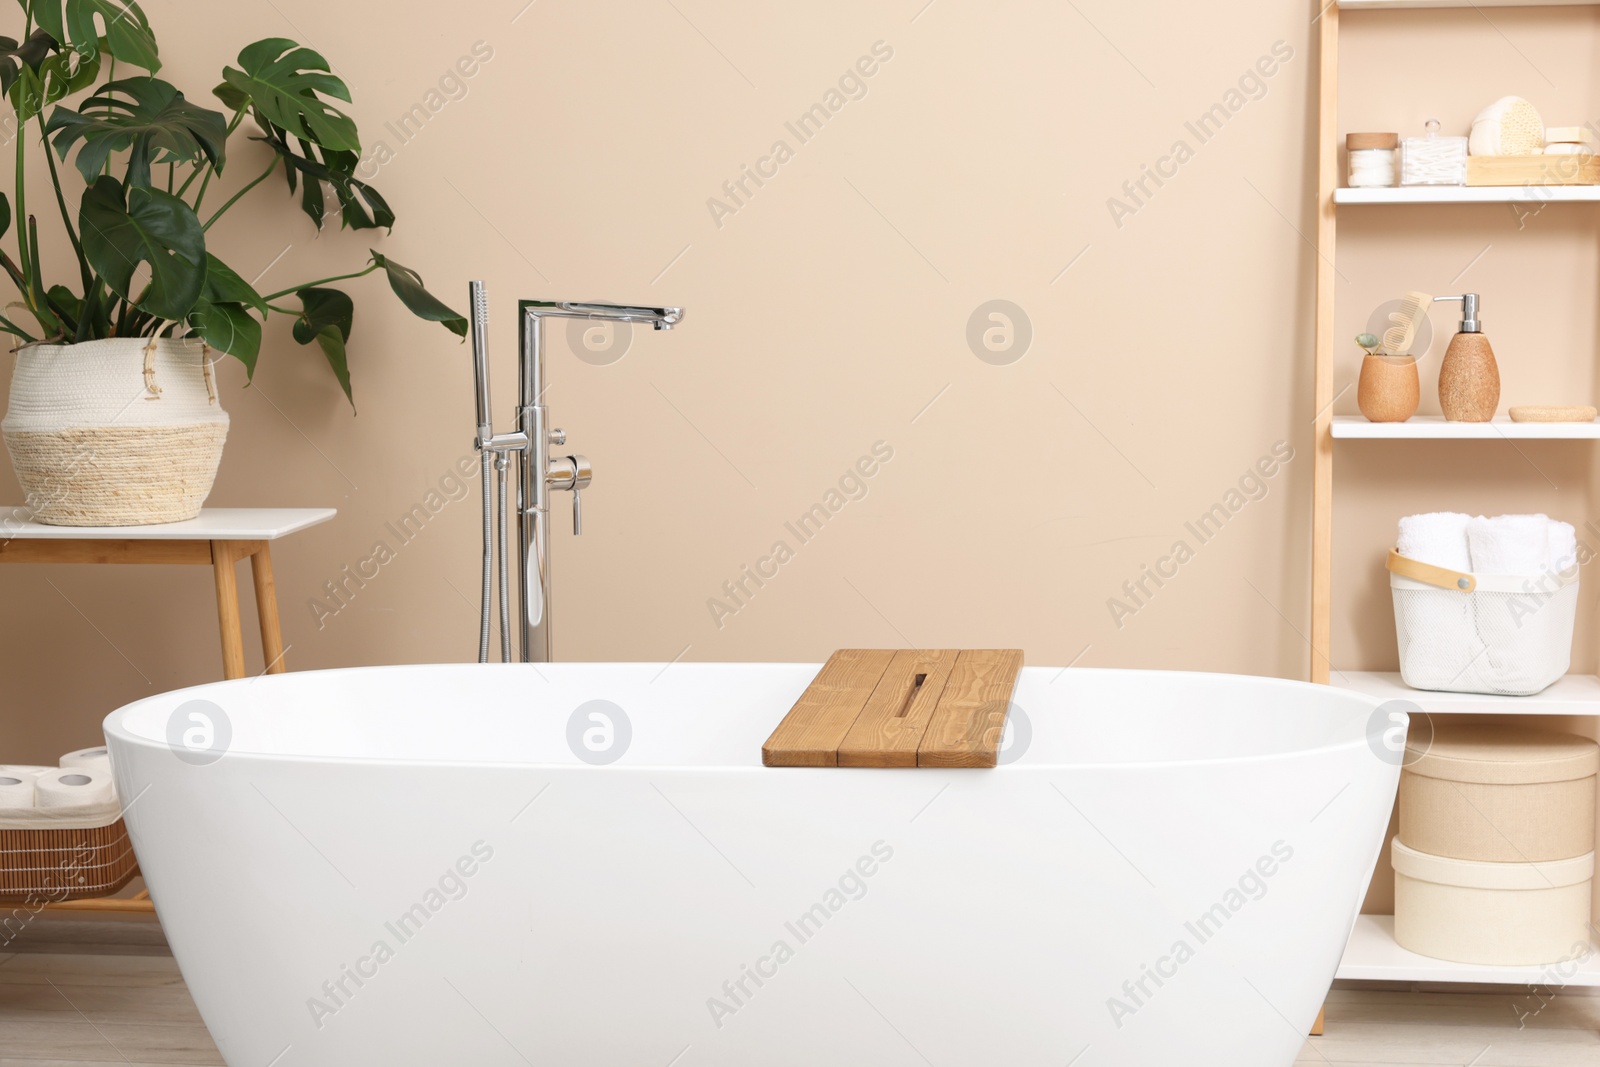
[1372, 953]
[1373, 956]
[1435, 428]
[1471, 194]
[1576, 694]
[1378, 5]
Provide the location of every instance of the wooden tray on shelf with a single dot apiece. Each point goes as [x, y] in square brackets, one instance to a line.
[1533, 170]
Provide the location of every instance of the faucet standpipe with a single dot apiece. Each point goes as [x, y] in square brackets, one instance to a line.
[526, 452]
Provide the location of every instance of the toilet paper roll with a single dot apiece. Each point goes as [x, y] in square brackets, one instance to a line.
[16, 792]
[73, 787]
[23, 770]
[98, 758]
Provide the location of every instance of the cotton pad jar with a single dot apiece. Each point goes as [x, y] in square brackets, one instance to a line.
[1372, 161]
[1433, 160]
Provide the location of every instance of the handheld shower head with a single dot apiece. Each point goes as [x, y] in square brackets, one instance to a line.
[480, 355]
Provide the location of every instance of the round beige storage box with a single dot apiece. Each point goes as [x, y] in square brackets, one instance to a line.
[1491, 913]
[1499, 794]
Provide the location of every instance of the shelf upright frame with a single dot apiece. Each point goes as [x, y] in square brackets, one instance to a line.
[1327, 276]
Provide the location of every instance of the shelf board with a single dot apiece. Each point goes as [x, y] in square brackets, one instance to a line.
[1470, 194]
[1434, 427]
[1576, 694]
[1379, 5]
[1372, 956]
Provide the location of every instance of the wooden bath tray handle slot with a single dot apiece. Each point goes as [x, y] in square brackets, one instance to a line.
[906, 708]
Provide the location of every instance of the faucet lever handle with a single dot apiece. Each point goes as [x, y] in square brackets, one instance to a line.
[577, 512]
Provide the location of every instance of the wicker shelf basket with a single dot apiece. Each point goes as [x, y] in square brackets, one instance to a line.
[65, 863]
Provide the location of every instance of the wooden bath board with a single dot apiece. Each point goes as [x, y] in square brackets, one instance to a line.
[909, 708]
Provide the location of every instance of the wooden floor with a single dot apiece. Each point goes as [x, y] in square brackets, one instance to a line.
[1371, 1027]
[76, 993]
[84, 994]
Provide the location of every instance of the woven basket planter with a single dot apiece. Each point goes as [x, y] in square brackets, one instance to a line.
[121, 432]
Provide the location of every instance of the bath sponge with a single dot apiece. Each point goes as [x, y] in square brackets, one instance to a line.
[1508, 127]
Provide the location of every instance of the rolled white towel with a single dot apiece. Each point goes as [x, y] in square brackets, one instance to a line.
[1509, 544]
[1521, 634]
[1439, 538]
[1438, 634]
[1563, 548]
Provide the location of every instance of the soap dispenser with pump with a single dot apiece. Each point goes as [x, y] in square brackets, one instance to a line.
[1469, 378]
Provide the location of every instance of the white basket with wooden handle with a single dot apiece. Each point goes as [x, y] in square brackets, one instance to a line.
[1504, 635]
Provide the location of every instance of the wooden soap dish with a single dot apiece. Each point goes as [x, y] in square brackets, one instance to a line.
[908, 708]
[1546, 413]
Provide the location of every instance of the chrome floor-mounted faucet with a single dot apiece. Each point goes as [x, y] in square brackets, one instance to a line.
[537, 471]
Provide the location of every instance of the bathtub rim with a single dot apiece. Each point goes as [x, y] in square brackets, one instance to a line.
[114, 726]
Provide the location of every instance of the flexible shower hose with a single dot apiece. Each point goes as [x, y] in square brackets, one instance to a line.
[488, 556]
[505, 536]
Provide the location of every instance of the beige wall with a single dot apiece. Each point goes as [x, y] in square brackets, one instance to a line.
[830, 310]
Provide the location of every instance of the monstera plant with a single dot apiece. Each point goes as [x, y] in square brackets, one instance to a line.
[149, 158]
[113, 416]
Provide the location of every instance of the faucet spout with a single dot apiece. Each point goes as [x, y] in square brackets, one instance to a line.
[661, 318]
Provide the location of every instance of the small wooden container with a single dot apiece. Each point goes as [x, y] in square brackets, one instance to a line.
[1388, 390]
[1533, 170]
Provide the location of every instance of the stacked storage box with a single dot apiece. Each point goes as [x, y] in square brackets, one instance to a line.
[1495, 858]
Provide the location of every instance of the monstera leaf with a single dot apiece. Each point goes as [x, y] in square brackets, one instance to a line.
[127, 35]
[122, 228]
[407, 285]
[15, 58]
[326, 319]
[62, 74]
[37, 71]
[282, 81]
[222, 315]
[225, 286]
[228, 328]
[338, 170]
[149, 118]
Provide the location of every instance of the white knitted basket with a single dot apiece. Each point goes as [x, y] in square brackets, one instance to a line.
[120, 432]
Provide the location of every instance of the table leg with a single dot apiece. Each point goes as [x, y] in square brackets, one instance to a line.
[1316, 1027]
[267, 610]
[222, 561]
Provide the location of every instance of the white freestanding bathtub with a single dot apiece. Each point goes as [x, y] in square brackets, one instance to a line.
[586, 864]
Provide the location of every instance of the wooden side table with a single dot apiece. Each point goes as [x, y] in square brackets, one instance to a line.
[219, 538]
